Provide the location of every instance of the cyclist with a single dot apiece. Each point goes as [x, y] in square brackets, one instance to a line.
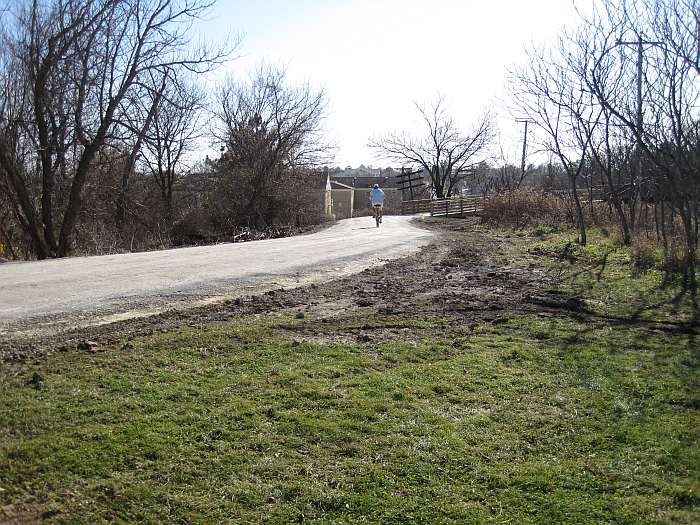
[377, 198]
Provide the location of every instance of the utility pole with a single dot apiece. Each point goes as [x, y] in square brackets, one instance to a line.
[410, 186]
[522, 162]
[640, 43]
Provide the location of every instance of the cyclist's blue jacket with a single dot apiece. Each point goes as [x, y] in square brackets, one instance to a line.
[377, 196]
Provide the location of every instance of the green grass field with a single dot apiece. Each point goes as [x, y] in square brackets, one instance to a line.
[548, 417]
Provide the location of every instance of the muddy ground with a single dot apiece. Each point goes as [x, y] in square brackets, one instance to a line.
[470, 272]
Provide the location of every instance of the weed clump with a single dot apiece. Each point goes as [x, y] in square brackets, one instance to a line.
[526, 207]
[645, 256]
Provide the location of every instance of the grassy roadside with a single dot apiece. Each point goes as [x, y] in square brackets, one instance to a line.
[581, 415]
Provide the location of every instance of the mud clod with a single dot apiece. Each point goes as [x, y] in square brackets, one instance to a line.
[37, 380]
[88, 346]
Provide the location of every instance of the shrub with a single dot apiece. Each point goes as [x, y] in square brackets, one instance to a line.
[524, 207]
[645, 255]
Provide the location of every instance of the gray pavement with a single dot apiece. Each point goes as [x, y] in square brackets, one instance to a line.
[94, 290]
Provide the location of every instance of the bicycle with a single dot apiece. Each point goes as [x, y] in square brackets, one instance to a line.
[378, 214]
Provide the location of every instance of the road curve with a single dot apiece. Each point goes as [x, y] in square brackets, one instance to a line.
[111, 287]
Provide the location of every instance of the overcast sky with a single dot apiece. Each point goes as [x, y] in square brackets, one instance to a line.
[374, 58]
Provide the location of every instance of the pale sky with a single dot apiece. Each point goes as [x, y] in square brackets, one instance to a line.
[374, 58]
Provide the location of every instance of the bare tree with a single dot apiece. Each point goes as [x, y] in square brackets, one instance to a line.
[78, 64]
[619, 96]
[507, 177]
[659, 62]
[554, 98]
[175, 131]
[270, 131]
[610, 151]
[442, 150]
[136, 120]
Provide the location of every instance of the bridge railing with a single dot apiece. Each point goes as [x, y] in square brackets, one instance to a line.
[472, 204]
[455, 206]
[415, 206]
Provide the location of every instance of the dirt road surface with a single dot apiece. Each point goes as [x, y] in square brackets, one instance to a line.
[464, 271]
[84, 291]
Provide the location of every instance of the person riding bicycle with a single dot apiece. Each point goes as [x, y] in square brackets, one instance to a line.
[377, 198]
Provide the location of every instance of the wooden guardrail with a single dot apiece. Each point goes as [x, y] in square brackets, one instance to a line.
[455, 206]
[415, 206]
[473, 204]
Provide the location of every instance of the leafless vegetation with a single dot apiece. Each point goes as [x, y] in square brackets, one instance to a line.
[102, 112]
[271, 136]
[442, 150]
[526, 207]
[174, 133]
[616, 103]
[74, 78]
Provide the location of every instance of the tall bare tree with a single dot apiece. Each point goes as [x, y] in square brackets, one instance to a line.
[656, 54]
[626, 86]
[76, 65]
[441, 149]
[271, 131]
[136, 120]
[174, 133]
[549, 94]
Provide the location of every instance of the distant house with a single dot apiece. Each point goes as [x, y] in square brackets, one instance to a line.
[349, 190]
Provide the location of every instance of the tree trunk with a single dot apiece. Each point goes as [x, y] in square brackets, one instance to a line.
[615, 197]
[75, 201]
[690, 256]
[437, 185]
[579, 211]
[30, 224]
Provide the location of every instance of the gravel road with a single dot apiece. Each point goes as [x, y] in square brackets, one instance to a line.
[83, 291]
